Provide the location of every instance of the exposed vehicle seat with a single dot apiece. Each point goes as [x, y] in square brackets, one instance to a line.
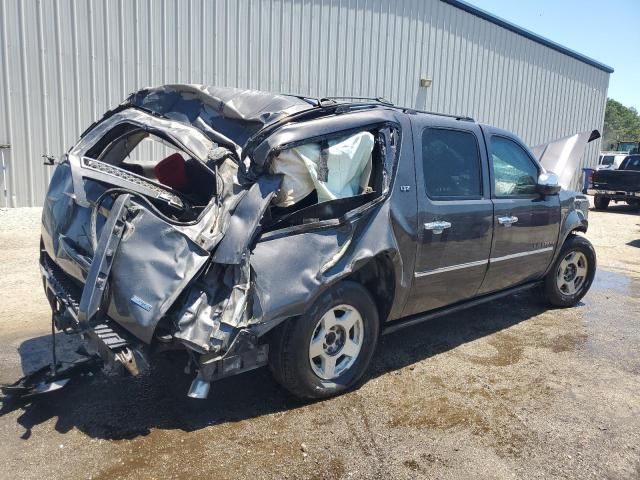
[171, 171]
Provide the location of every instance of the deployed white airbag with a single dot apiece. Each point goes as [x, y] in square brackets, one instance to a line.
[349, 169]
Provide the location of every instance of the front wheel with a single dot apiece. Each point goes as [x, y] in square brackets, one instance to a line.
[572, 273]
[327, 350]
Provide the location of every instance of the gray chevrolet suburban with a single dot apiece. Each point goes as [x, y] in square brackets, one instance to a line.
[250, 229]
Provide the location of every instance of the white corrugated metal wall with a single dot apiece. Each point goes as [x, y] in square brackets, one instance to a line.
[64, 62]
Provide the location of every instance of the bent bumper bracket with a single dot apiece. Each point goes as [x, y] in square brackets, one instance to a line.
[96, 281]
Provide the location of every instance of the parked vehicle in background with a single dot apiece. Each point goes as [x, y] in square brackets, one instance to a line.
[631, 148]
[607, 161]
[248, 228]
[621, 185]
[610, 160]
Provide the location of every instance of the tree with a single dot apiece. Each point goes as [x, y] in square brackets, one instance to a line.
[620, 124]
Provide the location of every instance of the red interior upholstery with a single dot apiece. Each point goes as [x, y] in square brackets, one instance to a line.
[171, 172]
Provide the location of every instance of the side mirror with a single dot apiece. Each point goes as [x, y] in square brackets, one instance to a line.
[548, 184]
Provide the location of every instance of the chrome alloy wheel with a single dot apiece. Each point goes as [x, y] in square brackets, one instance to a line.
[336, 342]
[572, 273]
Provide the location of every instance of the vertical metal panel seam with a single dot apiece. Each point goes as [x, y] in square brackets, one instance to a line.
[92, 62]
[123, 69]
[437, 56]
[413, 72]
[327, 65]
[11, 187]
[203, 45]
[177, 74]
[107, 47]
[372, 47]
[431, 58]
[136, 44]
[457, 66]
[60, 82]
[44, 92]
[562, 97]
[357, 56]
[303, 84]
[249, 57]
[76, 73]
[150, 41]
[291, 46]
[190, 33]
[421, 24]
[512, 86]
[28, 159]
[471, 55]
[401, 78]
[163, 39]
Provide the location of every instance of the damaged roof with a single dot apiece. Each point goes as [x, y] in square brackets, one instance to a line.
[233, 113]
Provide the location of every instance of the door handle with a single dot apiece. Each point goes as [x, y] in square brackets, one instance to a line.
[507, 221]
[437, 227]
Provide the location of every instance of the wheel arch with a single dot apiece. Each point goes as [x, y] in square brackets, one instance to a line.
[378, 276]
[575, 222]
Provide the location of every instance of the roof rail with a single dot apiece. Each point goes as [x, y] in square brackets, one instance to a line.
[329, 101]
[374, 99]
[457, 117]
[315, 101]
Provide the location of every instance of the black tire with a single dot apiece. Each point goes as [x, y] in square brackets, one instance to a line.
[633, 203]
[289, 350]
[600, 202]
[553, 293]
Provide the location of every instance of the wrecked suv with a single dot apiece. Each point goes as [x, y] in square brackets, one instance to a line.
[248, 228]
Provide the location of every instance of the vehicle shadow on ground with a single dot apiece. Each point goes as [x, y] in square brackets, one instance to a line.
[121, 407]
[621, 208]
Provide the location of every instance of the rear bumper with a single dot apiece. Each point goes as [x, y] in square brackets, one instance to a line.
[115, 345]
[614, 194]
[107, 339]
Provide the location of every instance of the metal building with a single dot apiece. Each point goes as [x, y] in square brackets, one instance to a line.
[64, 62]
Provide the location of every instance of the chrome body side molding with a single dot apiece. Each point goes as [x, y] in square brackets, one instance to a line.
[451, 268]
[520, 254]
[481, 262]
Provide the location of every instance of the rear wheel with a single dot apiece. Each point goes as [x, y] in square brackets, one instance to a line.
[601, 203]
[572, 273]
[327, 350]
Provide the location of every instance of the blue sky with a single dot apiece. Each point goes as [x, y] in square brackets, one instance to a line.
[608, 32]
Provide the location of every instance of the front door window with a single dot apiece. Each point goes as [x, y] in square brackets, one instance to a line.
[514, 174]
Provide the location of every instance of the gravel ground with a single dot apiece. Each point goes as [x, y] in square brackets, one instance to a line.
[508, 389]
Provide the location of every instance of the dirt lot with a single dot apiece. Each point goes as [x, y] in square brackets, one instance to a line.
[505, 390]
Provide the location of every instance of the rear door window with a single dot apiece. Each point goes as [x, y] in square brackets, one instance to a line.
[451, 164]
